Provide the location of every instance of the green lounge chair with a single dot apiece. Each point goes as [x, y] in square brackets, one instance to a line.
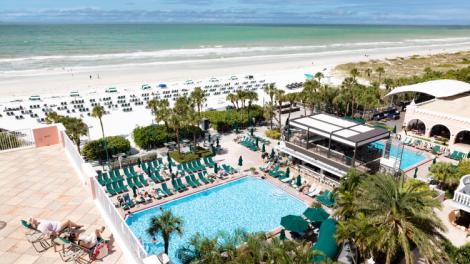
[436, 149]
[181, 184]
[190, 182]
[186, 168]
[100, 179]
[127, 172]
[110, 190]
[142, 180]
[128, 203]
[159, 177]
[130, 183]
[106, 178]
[196, 181]
[151, 175]
[274, 172]
[176, 186]
[137, 182]
[118, 175]
[191, 166]
[204, 180]
[40, 241]
[132, 170]
[144, 167]
[122, 186]
[211, 160]
[161, 192]
[208, 164]
[116, 187]
[227, 169]
[166, 190]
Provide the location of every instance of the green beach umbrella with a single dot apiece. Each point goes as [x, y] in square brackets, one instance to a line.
[394, 130]
[434, 160]
[134, 193]
[316, 214]
[468, 155]
[240, 161]
[416, 173]
[287, 172]
[299, 180]
[218, 142]
[139, 162]
[263, 148]
[214, 150]
[294, 223]
[272, 154]
[216, 168]
[257, 142]
[209, 137]
[170, 167]
[252, 132]
[168, 157]
[282, 235]
[235, 125]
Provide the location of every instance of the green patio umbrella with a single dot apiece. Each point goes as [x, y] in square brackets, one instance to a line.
[263, 148]
[216, 168]
[170, 167]
[434, 160]
[240, 161]
[252, 132]
[257, 142]
[468, 155]
[287, 174]
[217, 142]
[294, 223]
[272, 154]
[394, 130]
[298, 181]
[209, 137]
[416, 173]
[168, 157]
[134, 193]
[235, 125]
[282, 235]
[316, 214]
[213, 149]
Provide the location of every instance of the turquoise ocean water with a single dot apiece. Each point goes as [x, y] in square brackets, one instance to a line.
[42, 47]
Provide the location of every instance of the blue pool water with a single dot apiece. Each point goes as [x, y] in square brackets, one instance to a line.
[249, 203]
[409, 157]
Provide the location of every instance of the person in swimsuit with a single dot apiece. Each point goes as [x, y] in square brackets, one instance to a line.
[90, 240]
[52, 228]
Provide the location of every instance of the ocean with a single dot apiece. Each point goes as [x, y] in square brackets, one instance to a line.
[42, 48]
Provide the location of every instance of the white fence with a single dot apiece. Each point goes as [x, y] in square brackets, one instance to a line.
[16, 139]
[74, 156]
[462, 198]
[120, 227]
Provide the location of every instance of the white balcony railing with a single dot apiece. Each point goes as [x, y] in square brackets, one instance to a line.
[16, 139]
[460, 197]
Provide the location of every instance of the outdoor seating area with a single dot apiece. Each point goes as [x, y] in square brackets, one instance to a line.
[434, 148]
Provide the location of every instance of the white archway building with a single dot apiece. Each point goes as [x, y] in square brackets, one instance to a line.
[450, 108]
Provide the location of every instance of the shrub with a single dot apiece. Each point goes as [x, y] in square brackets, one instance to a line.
[224, 121]
[273, 133]
[154, 136]
[94, 150]
[199, 153]
[8, 141]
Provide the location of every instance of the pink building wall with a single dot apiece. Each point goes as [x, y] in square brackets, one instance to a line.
[46, 136]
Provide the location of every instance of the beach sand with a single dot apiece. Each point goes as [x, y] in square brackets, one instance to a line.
[281, 69]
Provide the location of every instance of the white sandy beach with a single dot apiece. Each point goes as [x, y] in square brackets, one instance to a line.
[281, 69]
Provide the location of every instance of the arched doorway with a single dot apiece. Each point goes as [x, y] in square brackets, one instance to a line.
[463, 137]
[416, 126]
[440, 132]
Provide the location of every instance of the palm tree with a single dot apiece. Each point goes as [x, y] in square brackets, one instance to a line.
[165, 224]
[268, 113]
[270, 90]
[280, 98]
[401, 216]
[319, 76]
[368, 72]
[74, 127]
[98, 112]
[179, 116]
[233, 98]
[380, 71]
[163, 110]
[198, 97]
[354, 73]
[291, 98]
[446, 173]
[310, 94]
[153, 105]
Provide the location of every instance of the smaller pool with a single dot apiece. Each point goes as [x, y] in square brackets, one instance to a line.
[409, 157]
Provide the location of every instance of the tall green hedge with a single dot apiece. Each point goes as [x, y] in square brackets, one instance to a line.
[224, 121]
[153, 136]
[94, 150]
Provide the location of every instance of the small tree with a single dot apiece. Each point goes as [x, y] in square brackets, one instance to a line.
[167, 225]
[98, 112]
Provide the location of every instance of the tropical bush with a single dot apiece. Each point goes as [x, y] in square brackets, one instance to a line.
[273, 133]
[224, 121]
[449, 174]
[8, 140]
[193, 155]
[154, 136]
[95, 149]
[458, 255]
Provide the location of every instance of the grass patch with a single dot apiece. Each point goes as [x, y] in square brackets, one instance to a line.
[194, 155]
[273, 133]
[445, 65]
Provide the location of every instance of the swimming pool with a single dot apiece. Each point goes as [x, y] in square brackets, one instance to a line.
[249, 203]
[409, 157]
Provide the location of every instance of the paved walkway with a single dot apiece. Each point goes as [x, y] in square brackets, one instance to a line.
[42, 183]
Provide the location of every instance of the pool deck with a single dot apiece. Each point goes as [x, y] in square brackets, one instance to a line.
[40, 182]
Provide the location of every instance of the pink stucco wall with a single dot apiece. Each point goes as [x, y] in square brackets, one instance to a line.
[46, 136]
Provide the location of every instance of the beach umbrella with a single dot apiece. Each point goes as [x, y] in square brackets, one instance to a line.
[168, 157]
[299, 180]
[434, 160]
[252, 132]
[217, 141]
[170, 167]
[294, 223]
[468, 155]
[316, 214]
[257, 142]
[216, 168]
[235, 125]
[214, 150]
[416, 173]
[209, 137]
[263, 148]
[134, 193]
[282, 235]
[240, 161]
[272, 154]
[287, 172]
[139, 162]
[394, 130]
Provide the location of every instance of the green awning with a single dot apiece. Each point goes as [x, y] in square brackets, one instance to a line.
[294, 223]
[326, 242]
[34, 98]
[316, 214]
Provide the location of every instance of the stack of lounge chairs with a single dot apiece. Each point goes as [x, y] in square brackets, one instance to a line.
[266, 167]
[114, 183]
[249, 143]
[150, 165]
[275, 172]
[457, 155]
[228, 169]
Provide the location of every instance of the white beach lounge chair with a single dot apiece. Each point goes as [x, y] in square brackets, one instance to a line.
[314, 193]
[287, 179]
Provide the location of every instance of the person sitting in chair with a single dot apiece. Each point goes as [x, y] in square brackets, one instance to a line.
[90, 240]
[52, 228]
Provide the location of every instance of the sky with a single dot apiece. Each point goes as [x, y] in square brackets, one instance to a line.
[411, 12]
